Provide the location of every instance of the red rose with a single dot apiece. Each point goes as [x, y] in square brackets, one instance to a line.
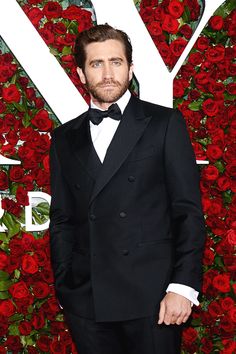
[177, 46]
[222, 283]
[46, 163]
[38, 321]
[29, 264]
[170, 24]
[213, 152]
[4, 260]
[216, 23]
[16, 174]
[41, 120]
[47, 36]
[210, 107]
[3, 180]
[154, 28]
[232, 314]
[189, 335]
[74, 12]
[25, 328]
[22, 196]
[215, 309]
[41, 289]
[2, 105]
[216, 54]
[176, 8]
[208, 257]
[231, 88]
[223, 183]
[60, 28]
[13, 344]
[7, 308]
[11, 94]
[43, 343]
[19, 290]
[202, 43]
[227, 303]
[231, 236]
[195, 58]
[186, 31]
[52, 9]
[35, 15]
[57, 347]
[210, 173]
[11, 206]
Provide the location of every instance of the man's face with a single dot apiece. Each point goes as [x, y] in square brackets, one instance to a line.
[106, 73]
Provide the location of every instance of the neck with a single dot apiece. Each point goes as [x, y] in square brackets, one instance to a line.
[102, 105]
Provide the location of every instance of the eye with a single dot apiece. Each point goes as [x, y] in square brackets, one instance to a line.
[96, 64]
[116, 62]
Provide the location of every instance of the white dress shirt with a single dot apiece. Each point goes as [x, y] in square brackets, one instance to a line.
[102, 135]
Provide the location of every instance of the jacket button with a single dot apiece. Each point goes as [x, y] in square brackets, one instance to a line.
[131, 178]
[77, 185]
[122, 214]
[125, 252]
[92, 217]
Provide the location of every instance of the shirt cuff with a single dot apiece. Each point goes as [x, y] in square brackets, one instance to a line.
[184, 290]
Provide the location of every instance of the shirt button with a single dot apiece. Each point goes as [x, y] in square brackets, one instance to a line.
[125, 252]
[92, 217]
[122, 214]
[131, 178]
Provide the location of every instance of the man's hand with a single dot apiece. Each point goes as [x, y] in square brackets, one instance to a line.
[174, 309]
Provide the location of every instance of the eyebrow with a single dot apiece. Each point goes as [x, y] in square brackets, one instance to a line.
[101, 60]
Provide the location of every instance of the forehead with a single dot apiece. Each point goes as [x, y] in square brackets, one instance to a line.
[110, 48]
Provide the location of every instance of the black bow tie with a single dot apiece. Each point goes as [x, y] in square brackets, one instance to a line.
[96, 115]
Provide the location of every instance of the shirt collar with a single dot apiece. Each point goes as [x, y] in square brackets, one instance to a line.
[122, 101]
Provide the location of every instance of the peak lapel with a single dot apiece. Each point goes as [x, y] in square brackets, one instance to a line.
[82, 147]
[129, 131]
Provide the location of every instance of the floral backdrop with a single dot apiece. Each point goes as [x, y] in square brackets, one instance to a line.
[204, 90]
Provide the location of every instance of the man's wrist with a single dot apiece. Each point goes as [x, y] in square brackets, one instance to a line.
[184, 290]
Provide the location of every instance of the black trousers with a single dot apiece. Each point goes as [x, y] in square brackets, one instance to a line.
[138, 336]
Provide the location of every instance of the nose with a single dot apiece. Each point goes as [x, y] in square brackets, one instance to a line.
[107, 71]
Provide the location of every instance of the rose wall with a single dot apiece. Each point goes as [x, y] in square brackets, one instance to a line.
[204, 90]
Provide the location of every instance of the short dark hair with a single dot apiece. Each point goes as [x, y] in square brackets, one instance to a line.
[100, 33]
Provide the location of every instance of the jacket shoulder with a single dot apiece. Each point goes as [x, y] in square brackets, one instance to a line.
[71, 124]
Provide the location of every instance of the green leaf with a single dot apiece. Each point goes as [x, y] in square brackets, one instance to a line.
[17, 274]
[3, 275]
[219, 165]
[66, 50]
[3, 237]
[12, 226]
[186, 15]
[13, 330]
[4, 295]
[18, 106]
[16, 317]
[218, 261]
[195, 106]
[227, 197]
[26, 120]
[42, 208]
[5, 285]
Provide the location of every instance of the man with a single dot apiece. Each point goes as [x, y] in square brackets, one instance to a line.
[127, 229]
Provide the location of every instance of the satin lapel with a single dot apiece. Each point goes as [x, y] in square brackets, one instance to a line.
[129, 131]
[82, 147]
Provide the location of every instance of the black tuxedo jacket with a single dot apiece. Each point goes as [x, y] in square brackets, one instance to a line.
[123, 230]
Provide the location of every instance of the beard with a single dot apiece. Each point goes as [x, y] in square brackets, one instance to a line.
[105, 94]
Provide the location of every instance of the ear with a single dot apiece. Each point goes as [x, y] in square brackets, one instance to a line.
[81, 75]
[131, 70]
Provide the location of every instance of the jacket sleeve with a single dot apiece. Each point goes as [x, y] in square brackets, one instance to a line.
[188, 228]
[61, 226]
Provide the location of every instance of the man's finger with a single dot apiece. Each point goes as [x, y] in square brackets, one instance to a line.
[162, 312]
